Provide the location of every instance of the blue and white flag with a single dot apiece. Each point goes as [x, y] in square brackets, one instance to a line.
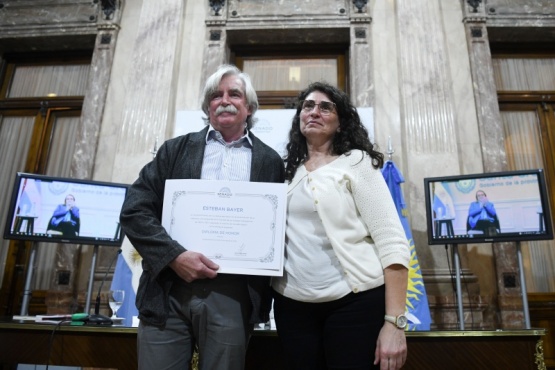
[443, 202]
[418, 311]
[30, 198]
[126, 277]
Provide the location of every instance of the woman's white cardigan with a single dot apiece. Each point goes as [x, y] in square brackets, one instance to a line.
[359, 216]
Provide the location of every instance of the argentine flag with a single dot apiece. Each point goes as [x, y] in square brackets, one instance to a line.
[30, 198]
[418, 311]
[126, 277]
[443, 201]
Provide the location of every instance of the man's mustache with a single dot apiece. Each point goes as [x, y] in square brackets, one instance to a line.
[227, 109]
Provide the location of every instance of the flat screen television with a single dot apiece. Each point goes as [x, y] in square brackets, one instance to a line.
[487, 208]
[62, 210]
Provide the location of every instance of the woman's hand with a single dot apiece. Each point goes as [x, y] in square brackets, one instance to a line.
[391, 348]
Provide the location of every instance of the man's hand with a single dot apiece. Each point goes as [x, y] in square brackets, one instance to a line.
[191, 266]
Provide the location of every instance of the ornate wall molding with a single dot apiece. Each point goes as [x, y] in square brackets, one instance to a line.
[474, 4]
[522, 21]
[360, 5]
[272, 14]
[522, 8]
[43, 25]
[216, 6]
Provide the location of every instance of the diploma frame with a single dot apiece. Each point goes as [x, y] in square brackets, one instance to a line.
[238, 225]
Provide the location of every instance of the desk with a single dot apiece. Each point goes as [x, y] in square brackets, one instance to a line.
[448, 222]
[437, 350]
[115, 347]
[29, 226]
[87, 346]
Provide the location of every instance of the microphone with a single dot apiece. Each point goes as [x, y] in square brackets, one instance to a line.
[96, 318]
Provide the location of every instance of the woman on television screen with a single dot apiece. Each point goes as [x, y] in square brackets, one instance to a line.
[482, 216]
[65, 219]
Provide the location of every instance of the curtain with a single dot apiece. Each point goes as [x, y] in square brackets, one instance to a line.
[41, 81]
[523, 145]
[524, 74]
[15, 140]
[60, 156]
[289, 74]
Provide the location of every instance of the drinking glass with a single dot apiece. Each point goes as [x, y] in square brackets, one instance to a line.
[116, 300]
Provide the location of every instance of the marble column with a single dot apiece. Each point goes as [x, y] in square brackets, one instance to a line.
[69, 257]
[95, 96]
[485, 93]
[148, 106]
[361, 80]
[431, 143]
[493, 154]
[215, 51]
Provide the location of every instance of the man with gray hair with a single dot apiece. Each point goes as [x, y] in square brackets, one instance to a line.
[182, 300]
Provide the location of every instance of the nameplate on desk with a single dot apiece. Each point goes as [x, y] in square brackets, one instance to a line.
[45, 319]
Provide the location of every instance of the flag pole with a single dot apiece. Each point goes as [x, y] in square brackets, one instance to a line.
[416, 305]
[390, 150]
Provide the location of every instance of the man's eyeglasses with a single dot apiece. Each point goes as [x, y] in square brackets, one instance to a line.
[326, 107]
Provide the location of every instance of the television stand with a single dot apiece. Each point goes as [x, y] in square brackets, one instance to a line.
[522, 285]
[457, 263]
[28, 281]
[91, 279]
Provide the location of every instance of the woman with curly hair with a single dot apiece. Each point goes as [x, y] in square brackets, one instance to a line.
[341, 300]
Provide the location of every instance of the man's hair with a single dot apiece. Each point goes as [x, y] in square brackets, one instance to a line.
[213, 82]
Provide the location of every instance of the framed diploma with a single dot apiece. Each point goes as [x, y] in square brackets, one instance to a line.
[239, 225]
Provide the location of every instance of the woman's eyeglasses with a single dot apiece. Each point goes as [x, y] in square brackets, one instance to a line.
[325, 107]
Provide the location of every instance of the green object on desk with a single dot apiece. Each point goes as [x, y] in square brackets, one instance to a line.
[79, 318]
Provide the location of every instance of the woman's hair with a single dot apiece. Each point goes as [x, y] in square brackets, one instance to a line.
[213, 83]
[351, 134]
[69, 195]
